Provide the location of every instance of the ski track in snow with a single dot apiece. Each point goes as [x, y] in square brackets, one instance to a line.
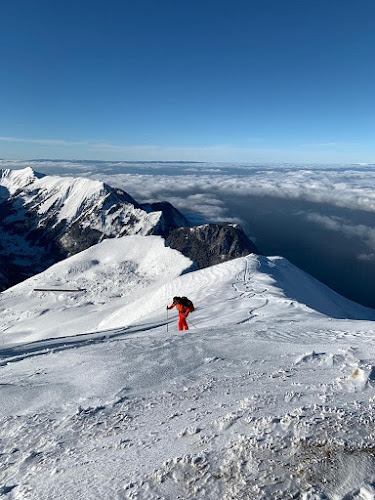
[265, 399]
[251, 291]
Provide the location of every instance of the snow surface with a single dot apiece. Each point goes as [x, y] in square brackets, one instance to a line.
[73, 199]
[269, 395]
[13, 180]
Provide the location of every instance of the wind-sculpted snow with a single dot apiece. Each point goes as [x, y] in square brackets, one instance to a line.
[218, 413]
[270, 395]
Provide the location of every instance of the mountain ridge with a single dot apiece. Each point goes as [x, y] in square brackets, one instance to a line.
[131, 279]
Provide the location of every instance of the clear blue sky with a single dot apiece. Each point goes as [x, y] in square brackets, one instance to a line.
[203, 80]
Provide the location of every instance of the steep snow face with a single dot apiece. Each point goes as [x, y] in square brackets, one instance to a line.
[265, 398]
[245, 290]
[14, 180]
[68, 199]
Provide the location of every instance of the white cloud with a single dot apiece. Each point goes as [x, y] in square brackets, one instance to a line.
[207, 194]
[346, 188]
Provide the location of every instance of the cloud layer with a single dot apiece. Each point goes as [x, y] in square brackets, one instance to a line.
[344, 188]
[203, 189]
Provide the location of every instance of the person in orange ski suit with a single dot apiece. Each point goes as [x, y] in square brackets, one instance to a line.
[183, 312]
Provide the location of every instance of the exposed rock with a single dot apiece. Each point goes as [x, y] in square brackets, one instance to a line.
[211, 244]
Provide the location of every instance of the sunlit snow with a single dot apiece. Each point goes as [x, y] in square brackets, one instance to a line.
[269, 395]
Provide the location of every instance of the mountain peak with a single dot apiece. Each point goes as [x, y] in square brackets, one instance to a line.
[14, 180]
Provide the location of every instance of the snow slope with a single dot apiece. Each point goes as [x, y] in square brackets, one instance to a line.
[111, 274]
[271, 395]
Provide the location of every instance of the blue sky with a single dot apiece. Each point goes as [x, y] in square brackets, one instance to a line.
[265, 80]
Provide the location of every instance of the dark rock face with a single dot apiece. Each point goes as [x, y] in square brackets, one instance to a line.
[211, 244]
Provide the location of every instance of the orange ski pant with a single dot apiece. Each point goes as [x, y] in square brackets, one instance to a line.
[182, 325]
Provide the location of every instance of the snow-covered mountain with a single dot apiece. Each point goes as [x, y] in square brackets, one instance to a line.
[132, 279]
[269, 395]
[46, 218]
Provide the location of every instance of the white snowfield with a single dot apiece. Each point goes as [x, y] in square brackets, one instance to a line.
[269, 395]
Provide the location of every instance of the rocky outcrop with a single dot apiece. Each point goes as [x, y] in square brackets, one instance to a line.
[211, 244]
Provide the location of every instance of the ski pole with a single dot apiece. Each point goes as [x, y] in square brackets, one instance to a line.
[167, 319]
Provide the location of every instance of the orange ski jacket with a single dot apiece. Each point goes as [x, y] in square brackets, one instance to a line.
[181, 309]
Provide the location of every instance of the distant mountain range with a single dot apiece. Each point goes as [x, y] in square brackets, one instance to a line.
[44, 219]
